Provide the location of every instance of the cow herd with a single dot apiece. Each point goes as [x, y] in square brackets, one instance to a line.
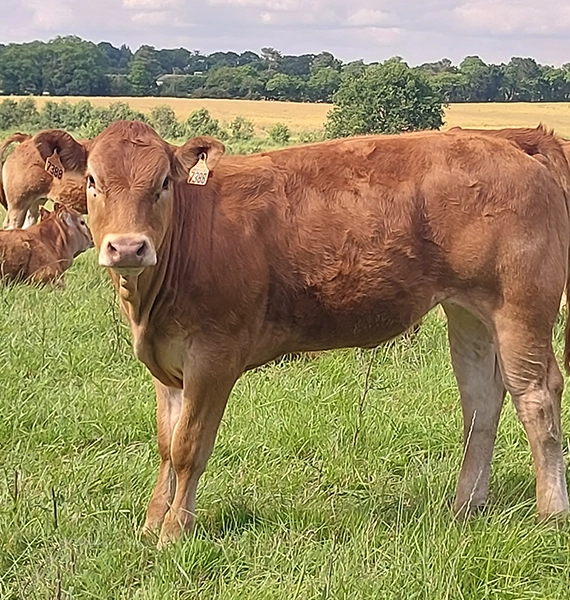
[40, 252]
[223, 263]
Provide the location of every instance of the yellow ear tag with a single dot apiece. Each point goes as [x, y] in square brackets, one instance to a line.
[198, 174]
[54, 166]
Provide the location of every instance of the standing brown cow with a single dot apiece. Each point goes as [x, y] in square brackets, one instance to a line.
[42, 252]
[343, 243]
[25, 184]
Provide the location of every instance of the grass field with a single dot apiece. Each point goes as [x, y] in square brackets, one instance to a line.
[309, 495]
[307, 117]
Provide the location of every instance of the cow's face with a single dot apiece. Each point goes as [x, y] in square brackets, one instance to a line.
[130, 172]
[78, 234]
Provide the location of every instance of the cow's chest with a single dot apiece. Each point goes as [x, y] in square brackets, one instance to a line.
[163, 354]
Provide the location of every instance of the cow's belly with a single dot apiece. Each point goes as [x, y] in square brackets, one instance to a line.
[310, 325]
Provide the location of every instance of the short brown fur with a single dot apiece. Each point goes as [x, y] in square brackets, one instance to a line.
[344, 243]
[41, 253]
[25, 184]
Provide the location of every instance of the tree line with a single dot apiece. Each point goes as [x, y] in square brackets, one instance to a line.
[70, 66]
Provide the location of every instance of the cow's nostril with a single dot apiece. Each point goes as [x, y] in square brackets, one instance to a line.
[111, 248]
[141, 249]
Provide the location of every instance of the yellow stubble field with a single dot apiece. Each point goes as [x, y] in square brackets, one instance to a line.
[304, 116]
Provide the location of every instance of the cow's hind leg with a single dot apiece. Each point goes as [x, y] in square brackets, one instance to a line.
[533, 379]
[482, 393]
[168, 404]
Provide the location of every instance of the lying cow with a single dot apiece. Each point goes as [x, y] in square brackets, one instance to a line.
[223, 263]
[25, 183]
[41, 253]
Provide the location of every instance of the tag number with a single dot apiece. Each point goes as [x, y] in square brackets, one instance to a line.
[54, 170]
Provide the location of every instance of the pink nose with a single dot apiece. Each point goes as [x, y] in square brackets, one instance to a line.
[127, 251]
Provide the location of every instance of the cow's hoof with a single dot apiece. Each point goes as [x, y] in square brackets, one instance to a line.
[174, 527]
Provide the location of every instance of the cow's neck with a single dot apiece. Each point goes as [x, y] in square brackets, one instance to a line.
[54, 234]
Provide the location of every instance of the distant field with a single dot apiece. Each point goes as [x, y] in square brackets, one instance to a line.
[303, 116]
[298, 116]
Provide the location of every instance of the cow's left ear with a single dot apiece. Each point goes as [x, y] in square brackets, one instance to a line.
[72, 154]
[199, 148]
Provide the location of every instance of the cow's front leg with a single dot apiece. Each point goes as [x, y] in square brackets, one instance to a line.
[168, 405]
[207, 386]
[32, 216]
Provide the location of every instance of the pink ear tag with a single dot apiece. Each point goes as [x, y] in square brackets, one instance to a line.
[198, 174]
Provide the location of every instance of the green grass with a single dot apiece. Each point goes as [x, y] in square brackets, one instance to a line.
[310, 493]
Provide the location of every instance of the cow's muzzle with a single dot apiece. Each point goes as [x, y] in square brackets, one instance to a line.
[127, 253]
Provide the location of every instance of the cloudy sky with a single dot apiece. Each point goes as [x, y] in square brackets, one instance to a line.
[417, 30]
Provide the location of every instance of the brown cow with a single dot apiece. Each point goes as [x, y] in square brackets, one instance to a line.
[41, 253]
[25, 184]
[342, 243]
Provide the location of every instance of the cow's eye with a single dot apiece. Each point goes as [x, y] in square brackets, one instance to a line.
[166, 183]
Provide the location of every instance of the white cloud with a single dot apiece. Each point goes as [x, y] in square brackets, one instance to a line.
[50, 15]
[514, 16]
[150, 5]
[285, 5]
[366, 17]
[160, 17]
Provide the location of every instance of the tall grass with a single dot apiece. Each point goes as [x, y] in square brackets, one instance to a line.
[314, 490]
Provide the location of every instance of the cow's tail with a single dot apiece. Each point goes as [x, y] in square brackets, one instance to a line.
[15, 138]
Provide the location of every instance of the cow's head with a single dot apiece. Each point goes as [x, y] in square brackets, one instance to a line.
[130, 170]
[72, 224]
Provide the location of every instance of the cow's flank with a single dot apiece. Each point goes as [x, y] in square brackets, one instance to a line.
[342, 243]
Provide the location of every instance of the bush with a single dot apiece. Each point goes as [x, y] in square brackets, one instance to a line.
[9, 114]
[241, 129]
[311, 137]
[280, 134]
[200, 122]
[163, 119]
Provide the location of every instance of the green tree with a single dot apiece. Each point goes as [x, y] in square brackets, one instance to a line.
[22, 68]
[74, 67]
[145, 70]
[386, 98]
[285, 87]
[322, 84]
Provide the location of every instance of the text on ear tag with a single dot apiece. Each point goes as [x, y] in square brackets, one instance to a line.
[198, 174]
[54, 166]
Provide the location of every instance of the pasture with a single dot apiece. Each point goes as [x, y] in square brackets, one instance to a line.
[309, 117]
[331, 477]
[315, 489]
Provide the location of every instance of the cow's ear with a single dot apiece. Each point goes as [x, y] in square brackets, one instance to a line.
[72, 154]
[44, 213]
[203, 148]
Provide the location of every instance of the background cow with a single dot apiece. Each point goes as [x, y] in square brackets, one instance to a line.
[343, 243]
[25, 184]
[41, 253]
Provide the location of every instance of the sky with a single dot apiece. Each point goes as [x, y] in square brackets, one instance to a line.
[417, 30]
